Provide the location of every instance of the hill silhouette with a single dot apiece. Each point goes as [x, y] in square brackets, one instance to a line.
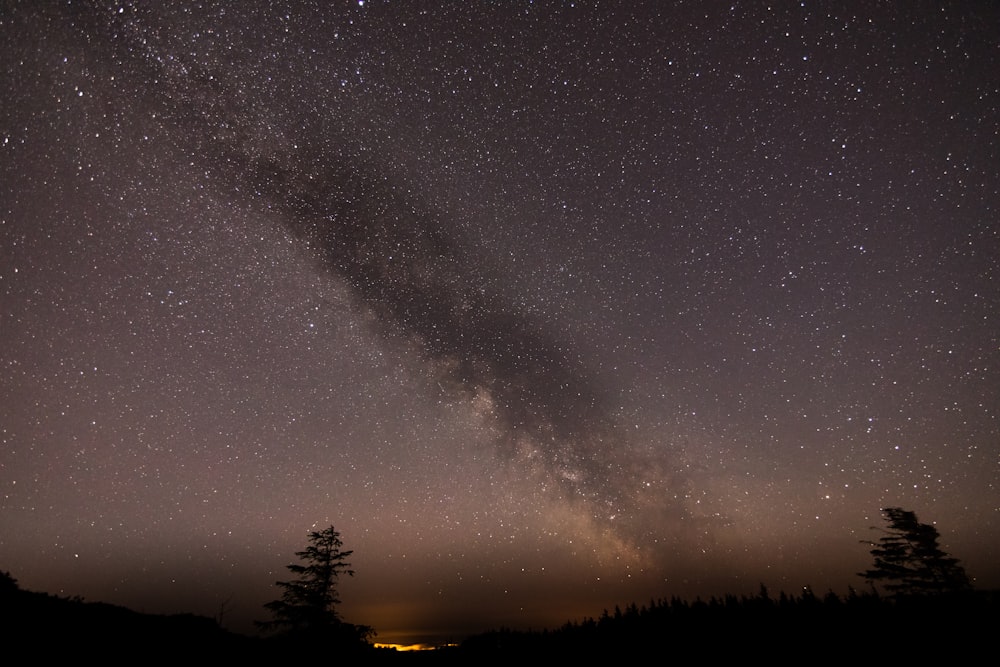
[51, 624]
[782, 629]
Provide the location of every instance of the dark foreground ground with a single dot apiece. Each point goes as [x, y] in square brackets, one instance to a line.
[860, 629]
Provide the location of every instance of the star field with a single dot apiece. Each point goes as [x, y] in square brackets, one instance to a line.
[546, 306]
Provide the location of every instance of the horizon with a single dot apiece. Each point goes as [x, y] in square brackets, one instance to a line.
[410, 639]
[414, 636]
[545, 306]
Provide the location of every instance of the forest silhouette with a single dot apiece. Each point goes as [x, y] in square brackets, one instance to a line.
[928, 612]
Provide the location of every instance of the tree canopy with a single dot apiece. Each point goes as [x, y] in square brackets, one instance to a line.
[909, 561]
[308, 604]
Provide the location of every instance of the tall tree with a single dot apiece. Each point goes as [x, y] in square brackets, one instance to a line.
[308, 604]
[909, 561]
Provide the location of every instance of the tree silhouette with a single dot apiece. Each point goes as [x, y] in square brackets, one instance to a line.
[908, 560]
[308, 605]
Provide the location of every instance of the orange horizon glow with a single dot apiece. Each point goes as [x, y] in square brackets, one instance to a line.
[413, 647]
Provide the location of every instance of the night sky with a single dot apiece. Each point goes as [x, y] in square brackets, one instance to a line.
[545, 306]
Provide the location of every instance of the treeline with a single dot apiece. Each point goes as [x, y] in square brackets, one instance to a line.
[929, 613]
[784, 629]
[855, 626]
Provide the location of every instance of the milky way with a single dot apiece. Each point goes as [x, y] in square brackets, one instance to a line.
[545, 305]
[403, 266]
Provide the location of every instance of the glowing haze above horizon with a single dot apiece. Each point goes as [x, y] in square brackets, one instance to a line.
[545, 306]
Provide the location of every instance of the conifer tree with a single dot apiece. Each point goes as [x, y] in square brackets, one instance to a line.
[909, 561]
[308, 605]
